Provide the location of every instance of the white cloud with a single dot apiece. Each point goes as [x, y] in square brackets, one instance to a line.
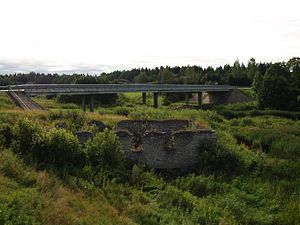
[136, 33]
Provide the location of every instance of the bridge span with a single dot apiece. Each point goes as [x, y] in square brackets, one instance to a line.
[93, 89]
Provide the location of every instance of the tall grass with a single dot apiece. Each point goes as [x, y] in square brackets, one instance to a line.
[6, 103]
[250, 176]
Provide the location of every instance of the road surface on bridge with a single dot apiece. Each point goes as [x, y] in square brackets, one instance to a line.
[89, 89]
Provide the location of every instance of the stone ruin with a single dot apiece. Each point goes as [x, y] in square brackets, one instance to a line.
[164, 144]
[167, 144]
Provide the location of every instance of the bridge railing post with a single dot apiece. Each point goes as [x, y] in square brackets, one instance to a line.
[155, 95]
[199, 100]
[144, 96]
[187, 98]
[83, 103]
[92, 103]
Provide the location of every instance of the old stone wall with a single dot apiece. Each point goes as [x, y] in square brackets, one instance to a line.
[159, 144]
[141, 126]
[168, 149]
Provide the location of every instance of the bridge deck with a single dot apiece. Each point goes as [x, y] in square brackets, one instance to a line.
[87, 89]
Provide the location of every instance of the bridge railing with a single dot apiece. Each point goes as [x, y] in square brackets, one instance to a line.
[115, 88]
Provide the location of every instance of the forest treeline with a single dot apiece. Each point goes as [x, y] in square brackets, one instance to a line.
[277, 85]
[236, 74]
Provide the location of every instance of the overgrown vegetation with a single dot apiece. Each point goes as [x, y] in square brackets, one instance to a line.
[249, 176]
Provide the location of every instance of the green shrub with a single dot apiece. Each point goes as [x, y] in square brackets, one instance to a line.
[124, 111]
[6, 135]
[58, 149]
[148, 181]
[56, 115]
[200, 185]
[104, 150]
[220, 157]
[75, 120]
[25, 131]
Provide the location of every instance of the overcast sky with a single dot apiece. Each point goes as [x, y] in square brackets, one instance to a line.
[93, 36]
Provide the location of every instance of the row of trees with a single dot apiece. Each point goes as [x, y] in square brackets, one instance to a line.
[237, 74]
[277, 85]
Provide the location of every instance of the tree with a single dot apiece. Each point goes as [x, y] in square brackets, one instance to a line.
[274, 92]
[237, 75]
[165, 76]
[257, 81]
[141, 78]
[294, 66]
[251, 69]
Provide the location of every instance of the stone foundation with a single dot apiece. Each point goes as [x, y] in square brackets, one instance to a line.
[168, 148]
[141, 126]
[159, 144]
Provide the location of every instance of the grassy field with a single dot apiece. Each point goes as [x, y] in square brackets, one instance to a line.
[6, 103]
[250, 176]
[53, 104]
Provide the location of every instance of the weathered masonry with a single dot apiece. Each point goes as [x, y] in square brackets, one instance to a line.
[162, 144]
[166, 144]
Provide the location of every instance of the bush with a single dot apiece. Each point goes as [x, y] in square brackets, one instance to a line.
[124, 111]
[6, 135]
[104, 150]
[24, 132]
[74, 119]
[56, 115]
[58, 149]
[220, 156]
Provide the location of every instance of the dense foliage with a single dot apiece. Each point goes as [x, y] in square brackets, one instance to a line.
[237, 74]
[250, 176]
[277, 85]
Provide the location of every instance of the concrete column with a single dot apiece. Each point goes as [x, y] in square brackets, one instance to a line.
[144, 99]
[155, 95]
[187, 98]
[200, 99]
[92, 104]
[83, 103]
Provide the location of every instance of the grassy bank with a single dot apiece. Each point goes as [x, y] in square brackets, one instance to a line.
[250, 176]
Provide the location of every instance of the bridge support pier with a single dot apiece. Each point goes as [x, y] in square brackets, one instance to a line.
[92, 104]
[155, 95]
[83, 103]
[199, 100]
[187, 98]
[144, 102]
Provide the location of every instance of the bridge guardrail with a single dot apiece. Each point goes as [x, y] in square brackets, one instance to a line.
[116, 88]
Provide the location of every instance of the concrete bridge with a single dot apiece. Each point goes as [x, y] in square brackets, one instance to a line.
[93, 89]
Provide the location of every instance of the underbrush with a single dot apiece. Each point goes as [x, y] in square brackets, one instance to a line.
[53, 103]
[274, 141]
[249, 176]
[6, 103]
[199, 118]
